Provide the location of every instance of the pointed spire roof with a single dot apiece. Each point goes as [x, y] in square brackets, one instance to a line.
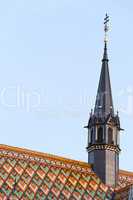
[104, 101]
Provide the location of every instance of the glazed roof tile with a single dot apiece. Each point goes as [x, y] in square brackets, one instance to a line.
[27, 175]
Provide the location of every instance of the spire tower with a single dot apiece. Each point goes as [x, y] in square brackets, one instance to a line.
[104, 101]
[104, 126]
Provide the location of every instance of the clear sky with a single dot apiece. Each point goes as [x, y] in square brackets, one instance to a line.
[50, 62]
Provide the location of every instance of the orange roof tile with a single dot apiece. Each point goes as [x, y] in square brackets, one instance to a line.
[27, 175]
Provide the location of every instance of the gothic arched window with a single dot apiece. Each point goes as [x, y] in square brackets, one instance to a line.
[100, 135]
[110, 136]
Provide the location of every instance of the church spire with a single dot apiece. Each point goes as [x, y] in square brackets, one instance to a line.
[104, 102]
[104, 127]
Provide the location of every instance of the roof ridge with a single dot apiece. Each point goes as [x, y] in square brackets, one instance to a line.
[124, 172]
[44, 155]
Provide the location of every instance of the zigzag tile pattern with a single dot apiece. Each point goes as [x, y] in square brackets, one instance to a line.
[124, 189]
[29, 175]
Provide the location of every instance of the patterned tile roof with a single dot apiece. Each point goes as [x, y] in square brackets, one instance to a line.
[125, 179]
[124, 187]
[28, 175]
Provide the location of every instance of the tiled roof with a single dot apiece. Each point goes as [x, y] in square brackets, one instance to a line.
[29, 175]
[124, 185]
[125, 179]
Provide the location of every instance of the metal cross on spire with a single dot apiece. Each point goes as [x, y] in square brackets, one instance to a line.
[106, 27]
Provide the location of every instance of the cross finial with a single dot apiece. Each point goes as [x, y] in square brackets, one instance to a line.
[106, 27]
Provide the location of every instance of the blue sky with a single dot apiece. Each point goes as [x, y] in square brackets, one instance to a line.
[50, 62]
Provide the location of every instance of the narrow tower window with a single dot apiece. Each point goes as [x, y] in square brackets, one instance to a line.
[91, 136]
[110, 136]
[100, 135]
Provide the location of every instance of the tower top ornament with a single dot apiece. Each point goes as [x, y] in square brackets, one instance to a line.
[106, 27]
